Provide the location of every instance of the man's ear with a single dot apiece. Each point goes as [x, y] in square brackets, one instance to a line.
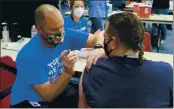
[114, 43]
[38, 28]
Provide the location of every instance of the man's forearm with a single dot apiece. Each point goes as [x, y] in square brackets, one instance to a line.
[93, 40]
[54, 89]
[99, 39]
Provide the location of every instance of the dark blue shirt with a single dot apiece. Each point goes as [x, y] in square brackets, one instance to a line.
[120, 82]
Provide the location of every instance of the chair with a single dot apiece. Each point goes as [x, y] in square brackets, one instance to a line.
[147, 42]
[7, 78]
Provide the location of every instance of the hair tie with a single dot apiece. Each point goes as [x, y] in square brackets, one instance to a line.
[139, 44]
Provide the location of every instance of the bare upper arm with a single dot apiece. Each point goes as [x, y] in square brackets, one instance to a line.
[93, 40]
[82, 99]
[90, 41]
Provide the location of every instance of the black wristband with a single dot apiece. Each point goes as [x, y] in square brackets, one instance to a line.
[98, 46]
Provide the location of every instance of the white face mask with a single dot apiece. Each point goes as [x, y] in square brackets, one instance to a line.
[78, 12]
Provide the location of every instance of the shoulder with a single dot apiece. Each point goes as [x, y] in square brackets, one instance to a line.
[31, 49]
[160, 65]
[159, 68]
[103, 64]
[73, 33]
[99, 69]
[67, 18]
[165, 66]
[23, 58]
[101, 60]
[26, 51]
[84, 20]
[161, 72]
[96, 77]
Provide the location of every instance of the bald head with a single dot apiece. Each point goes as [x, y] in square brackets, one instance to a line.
[48, 20]
[46, 11]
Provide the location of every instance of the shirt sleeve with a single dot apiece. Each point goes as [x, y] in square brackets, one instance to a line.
[31, 71]
[93, 81]
[168, 77]
[170, 81]
[76, 39]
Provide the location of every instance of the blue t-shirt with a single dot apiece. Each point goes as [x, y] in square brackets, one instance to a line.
[82, 25]
[37, 64]
[120, 82]
[97, 8]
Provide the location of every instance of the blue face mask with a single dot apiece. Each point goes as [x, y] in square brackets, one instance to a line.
[106, 47]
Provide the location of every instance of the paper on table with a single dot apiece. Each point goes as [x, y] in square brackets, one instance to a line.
[81, 62]
[8, 45]
[83, 53]
[17, 46]
[80, 65]
[80, 54]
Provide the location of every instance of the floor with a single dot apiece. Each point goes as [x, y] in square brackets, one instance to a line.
[165, 48]
[168, 46]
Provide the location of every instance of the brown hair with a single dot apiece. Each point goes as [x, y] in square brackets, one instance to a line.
[73, 1]
[130, 31]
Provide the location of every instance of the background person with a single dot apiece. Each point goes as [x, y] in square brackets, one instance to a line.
[97, 14]
[160, 7]
[75, 20]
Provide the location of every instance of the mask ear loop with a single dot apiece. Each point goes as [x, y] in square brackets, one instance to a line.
[108, 41]
[107, 45]
[44, 38]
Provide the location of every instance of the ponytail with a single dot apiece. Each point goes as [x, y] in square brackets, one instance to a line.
[141, 53]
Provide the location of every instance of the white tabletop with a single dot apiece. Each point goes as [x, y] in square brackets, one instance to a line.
[10, 53]
[5, 51]
[158, 18]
